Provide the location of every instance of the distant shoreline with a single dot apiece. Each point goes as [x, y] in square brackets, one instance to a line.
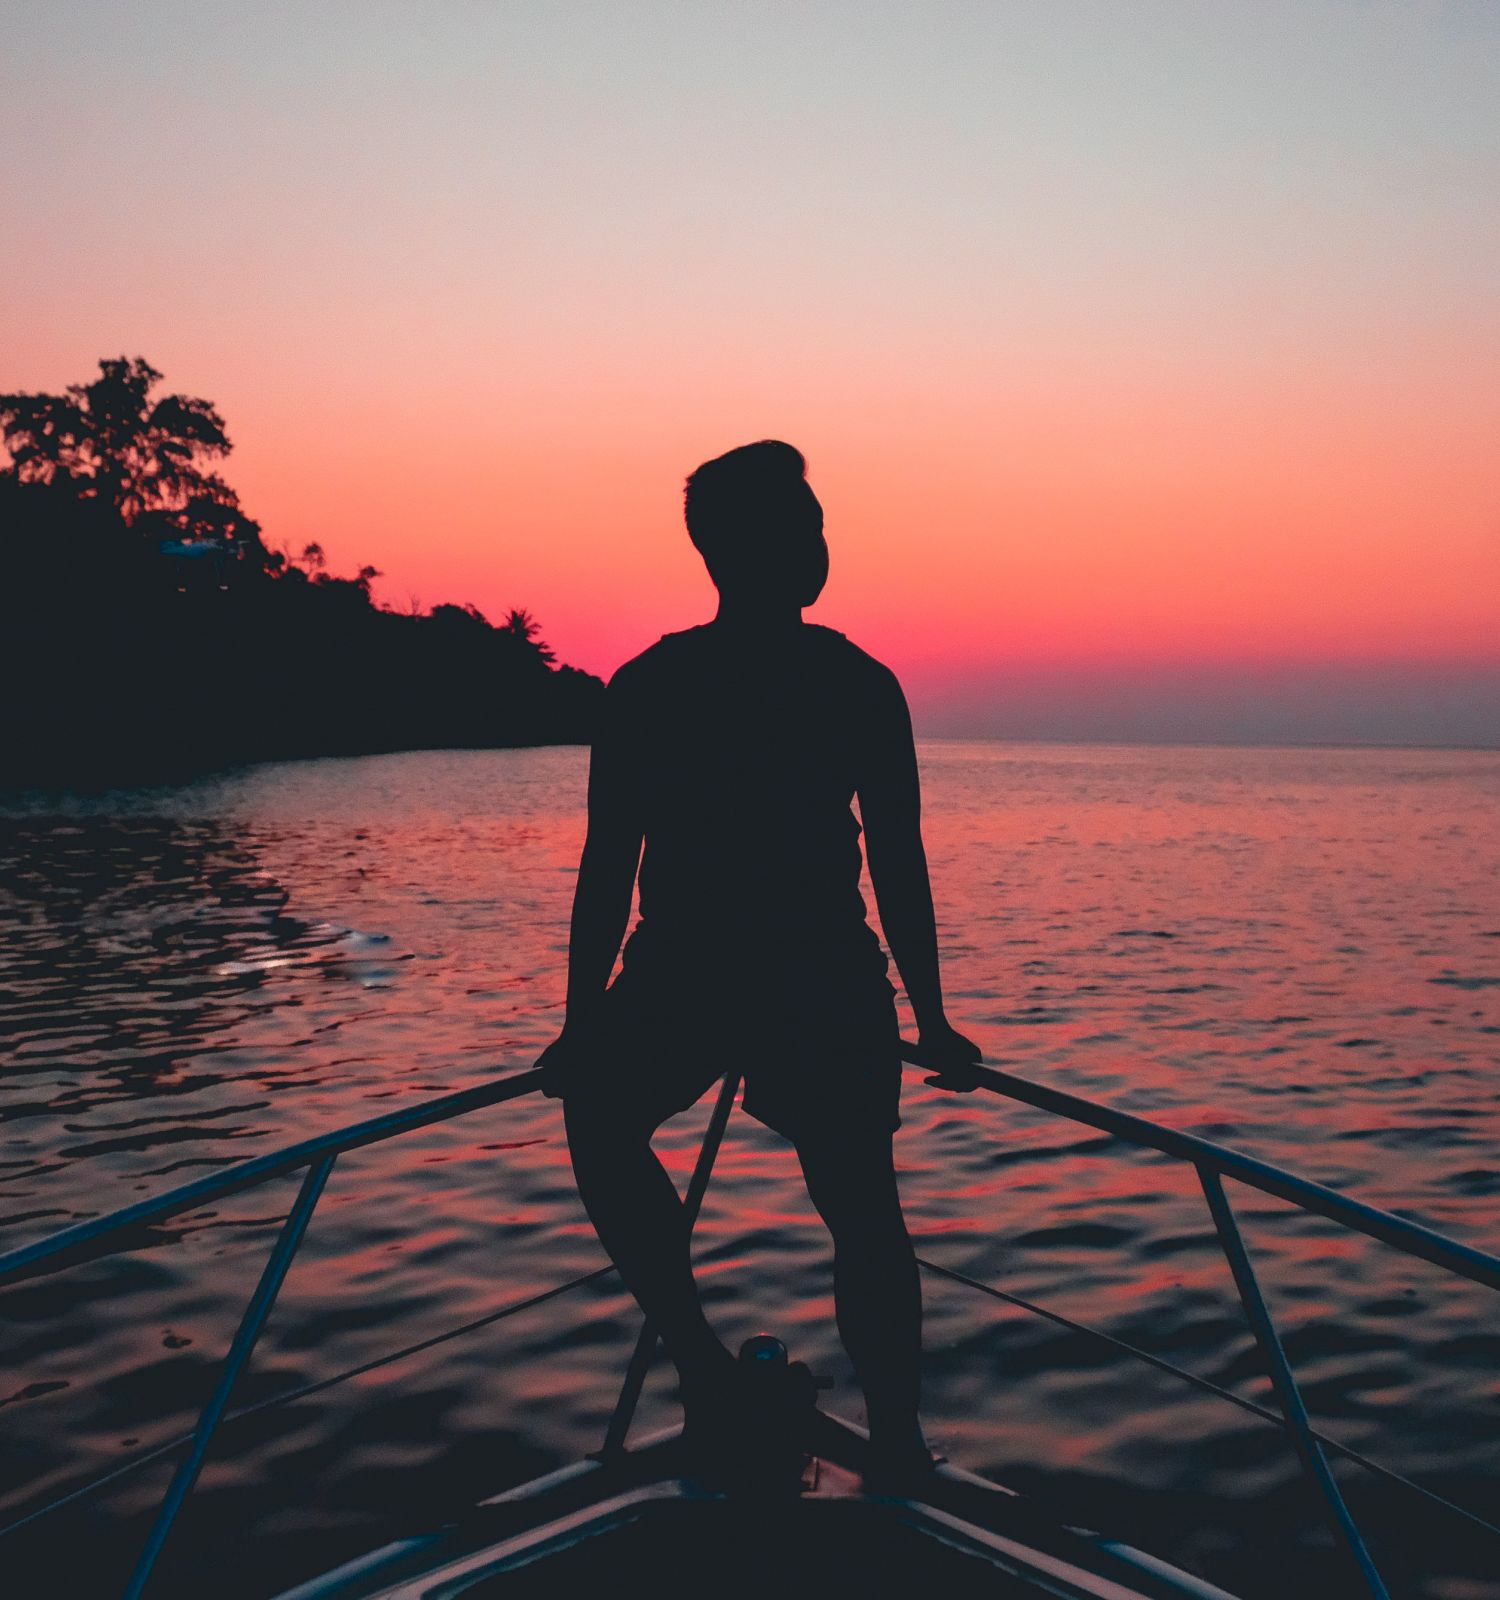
[152, 636]
[1203, 744]
[81, 787]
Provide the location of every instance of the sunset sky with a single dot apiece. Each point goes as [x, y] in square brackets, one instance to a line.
[1146, 357]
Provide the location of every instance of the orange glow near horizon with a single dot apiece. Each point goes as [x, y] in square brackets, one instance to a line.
[1132, 339]
[983, 520]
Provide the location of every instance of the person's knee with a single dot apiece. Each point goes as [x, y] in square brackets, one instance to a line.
[865, 1222]
[597, 1121]
[876, 1242]
[588, 1120]
[850, 1178]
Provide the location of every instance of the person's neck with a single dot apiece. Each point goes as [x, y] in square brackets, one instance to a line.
[757, 615]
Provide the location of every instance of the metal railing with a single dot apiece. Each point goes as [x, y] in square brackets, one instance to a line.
[317, 1155]
[1212, 1162]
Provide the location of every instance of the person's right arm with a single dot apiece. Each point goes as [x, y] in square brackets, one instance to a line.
[891, 808]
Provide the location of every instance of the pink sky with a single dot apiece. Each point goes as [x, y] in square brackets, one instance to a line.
[1124, 336]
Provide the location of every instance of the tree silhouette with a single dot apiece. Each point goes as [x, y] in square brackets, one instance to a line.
[520, 624]
[148, 632]
[147, 457]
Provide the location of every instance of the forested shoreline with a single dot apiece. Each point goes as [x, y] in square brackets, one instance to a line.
[150, 632]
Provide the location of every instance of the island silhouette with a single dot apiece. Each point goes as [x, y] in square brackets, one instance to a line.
[150, 633]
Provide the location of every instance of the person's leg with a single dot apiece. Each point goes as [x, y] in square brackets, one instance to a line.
[851, 1179]
[640, 1220]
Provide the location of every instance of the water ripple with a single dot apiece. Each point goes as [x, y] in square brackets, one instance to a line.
[1290, 951]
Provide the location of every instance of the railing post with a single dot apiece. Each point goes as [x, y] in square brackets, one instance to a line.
[254, 1319]
[1288, 1395]
[645, 1346]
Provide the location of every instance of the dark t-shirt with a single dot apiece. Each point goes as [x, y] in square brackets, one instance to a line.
[740, 752]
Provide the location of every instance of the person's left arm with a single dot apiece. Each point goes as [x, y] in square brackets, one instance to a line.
[606, 881]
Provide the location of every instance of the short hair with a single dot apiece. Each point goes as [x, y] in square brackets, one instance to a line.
[748, 492]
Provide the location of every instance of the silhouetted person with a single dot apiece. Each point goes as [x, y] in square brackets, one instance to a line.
[732, 751]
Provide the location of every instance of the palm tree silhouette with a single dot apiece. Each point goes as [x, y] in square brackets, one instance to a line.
[520, 624]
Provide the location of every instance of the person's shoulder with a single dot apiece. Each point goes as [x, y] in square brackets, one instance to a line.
[842, 647]
[642, 670]
[864, 668]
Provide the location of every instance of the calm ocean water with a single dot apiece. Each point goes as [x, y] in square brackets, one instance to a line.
[1293, 951]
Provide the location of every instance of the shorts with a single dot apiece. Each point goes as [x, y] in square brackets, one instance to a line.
[810, 1062]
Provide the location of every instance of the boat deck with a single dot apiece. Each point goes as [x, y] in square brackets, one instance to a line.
[639, 1521]
[684, 1550]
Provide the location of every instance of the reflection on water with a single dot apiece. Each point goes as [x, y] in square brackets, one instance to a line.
[1294, 951]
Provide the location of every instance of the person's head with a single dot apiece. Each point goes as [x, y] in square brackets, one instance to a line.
[757, 524]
